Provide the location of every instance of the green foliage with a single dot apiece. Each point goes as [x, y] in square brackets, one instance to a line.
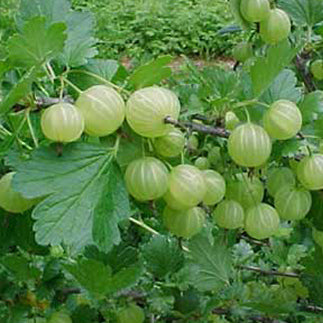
[91, 251]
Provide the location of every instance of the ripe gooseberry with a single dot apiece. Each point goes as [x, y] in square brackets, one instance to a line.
[249, 145]
[262, 221]
[242, 52]
[186, 186]
[276, 27]
[147, 109]
[292, 203]
[317, 69]
[132, 313]
[10, 200]
[215, 187]
[146, 179]
[310, 172]
[202, 163]
[248, 192]
[103, 110]
[278, 178]
[62, 122]
[229, 214]
[255, 10]
[171, 144]
[283, 120]
[184, 223]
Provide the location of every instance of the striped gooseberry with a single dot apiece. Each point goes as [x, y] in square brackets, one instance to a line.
[186, 186]
[229, 214]
[318, 236]
[171, 144]
[202, 163]
[147, 109]
[276, 27]
[242, 52]
[278, 178]
[246, 191]
[62, 122]
[249, 145]
[215, 187]
[310, 172]
[184, 223]
[231, 120]
[292, 203]
[255, 10]
[261, 221]
[283, 120]
[103, 110]
[317, 69]
[10, 200]
[146, 179]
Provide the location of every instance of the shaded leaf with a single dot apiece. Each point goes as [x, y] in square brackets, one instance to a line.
[312, 103]
[163, 256]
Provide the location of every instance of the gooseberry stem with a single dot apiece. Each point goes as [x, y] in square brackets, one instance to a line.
[144, 226]
[30, 127]
[77, 89]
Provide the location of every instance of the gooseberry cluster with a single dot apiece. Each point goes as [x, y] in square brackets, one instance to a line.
[237, 200]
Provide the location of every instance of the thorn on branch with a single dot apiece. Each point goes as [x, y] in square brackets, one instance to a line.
[215, 131]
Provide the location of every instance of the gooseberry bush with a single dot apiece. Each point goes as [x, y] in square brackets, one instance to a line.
[142, 196]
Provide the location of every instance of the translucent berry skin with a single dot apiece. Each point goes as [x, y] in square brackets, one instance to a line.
[192, 142]
[146, 179]
[202, 163]
[248, 192]
[317, 69]
[249, 145]
[215, 187]
[292, 203]
[171, 144]
[60, 317]
[103, 110]
[242, 52]
[229, 214]
[280, 177]
[10, 200]
[283, 120]
[132, 313]
[318, 237]
[186, 185]
[262, 221]
[184, 223]
[276, 27]
[310, 172]
[147, 109]
[62, 122]
[255, 10]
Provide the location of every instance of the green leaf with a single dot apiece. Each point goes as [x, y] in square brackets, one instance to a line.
[151, 73]
[266, 69]
[19, 91]
[79, 46]
[163, 256]
[73, 186]
[235, 9]
[106, 69]
[303, 12]
[312, 103]
[312, 276]
[283, 88]
[317, 210]
[318, 126]
[20, 267]
[213, 262]
[91, 274]
[112, 207]
[37, 44]
[97, 278]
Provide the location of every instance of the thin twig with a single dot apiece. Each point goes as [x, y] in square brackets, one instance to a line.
[269, 272]
[215, 131]
[300, 65]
